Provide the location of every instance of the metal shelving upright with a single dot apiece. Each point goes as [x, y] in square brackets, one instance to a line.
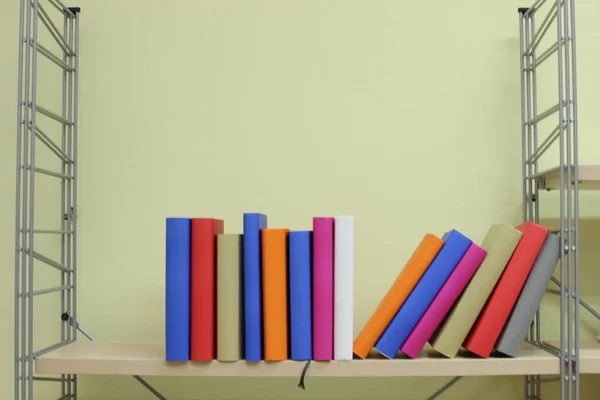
[30, 131]
[562, 14]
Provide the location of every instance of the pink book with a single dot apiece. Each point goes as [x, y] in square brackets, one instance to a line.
[443, 301]
[323, 288]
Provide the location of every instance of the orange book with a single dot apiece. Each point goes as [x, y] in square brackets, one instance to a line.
[396, 295]
[274, 278]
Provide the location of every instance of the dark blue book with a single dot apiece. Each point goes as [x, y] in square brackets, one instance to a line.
[455, 246]
[300, 255]
[177, 296]
[253, 332]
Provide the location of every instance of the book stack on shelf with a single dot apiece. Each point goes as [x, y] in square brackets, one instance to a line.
[265, 294]
[453, 294]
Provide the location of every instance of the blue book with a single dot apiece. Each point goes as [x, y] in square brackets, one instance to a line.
[300, 255]
[455, 246]
[253, 332]
[177, 286]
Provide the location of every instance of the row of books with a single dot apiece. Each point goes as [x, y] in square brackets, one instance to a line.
[266, 294]
[453, 294]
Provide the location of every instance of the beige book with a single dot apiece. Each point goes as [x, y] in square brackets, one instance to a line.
[229, 307]
[500, 243]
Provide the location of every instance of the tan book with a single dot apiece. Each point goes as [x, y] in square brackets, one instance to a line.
[229, 307]
[500, 242]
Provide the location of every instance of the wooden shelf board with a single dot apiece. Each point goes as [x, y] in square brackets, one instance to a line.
[147, 359]
[589, 357]
[589, 178]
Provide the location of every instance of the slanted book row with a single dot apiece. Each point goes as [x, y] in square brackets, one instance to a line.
[454, 293]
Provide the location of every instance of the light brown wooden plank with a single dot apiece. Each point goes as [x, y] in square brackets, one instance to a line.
[146, 359]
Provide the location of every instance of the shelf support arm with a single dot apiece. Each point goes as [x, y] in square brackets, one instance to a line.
[136, 377]
[543, 29]
[444, 388]
[583, 303]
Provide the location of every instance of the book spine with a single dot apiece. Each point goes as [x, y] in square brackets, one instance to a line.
[495, 313]
[343, 314]
[253, 333]
[515, 330]
[444, 301]
[323, 235]
[418, 301]
[300, 249]
[405, 282]
[177, 287]
[203, 281]
[274, 273]
[229, 306]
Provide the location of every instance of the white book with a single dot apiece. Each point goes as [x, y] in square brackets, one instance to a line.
[343, 313]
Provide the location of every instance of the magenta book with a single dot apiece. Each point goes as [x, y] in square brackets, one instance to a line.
[444, 300]
[323, 288]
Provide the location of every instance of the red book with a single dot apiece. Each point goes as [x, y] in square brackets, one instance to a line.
[202, 292]
[488, 327]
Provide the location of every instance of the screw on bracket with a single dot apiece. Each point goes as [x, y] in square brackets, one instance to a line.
[65, 316]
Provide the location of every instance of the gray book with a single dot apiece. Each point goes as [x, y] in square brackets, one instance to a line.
[229, 308]
[517, 326]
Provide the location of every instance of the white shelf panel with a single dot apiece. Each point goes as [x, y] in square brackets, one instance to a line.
[147, 359]
[589, 357]
[589, 178]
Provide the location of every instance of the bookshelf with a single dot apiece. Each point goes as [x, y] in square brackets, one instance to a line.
[147, 359]
[70, 357]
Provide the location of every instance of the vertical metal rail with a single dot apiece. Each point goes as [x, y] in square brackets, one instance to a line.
[524, 176]
[24, 222]
[31, 169]
[529, 147]
[565, 267]
[74, 172]
[575, 249]
[535, 199]
[564, 71]
[19, 246]
[65, 385]
[68, 216]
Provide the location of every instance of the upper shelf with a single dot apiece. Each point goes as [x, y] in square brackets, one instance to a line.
[589, 178]
[134, 358]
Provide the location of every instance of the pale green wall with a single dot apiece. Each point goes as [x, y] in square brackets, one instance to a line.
[213, 108]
